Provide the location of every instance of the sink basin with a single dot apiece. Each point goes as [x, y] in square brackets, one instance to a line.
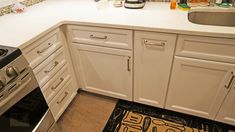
[212, 16]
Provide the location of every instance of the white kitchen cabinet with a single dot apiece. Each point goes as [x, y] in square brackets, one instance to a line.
[227, 111]
[105, 71]
[62, 99]
[48, 68]
[41, 49]
[153, 54]
[100, 36]
[51, 62]
[198, 87]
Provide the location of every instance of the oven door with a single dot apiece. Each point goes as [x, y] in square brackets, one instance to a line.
[29, 114]
[47, 123]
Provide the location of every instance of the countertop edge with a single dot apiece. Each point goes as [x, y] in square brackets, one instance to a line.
[128, 27]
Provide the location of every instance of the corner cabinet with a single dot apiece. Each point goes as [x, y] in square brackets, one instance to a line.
[103, 59]
[153, 54]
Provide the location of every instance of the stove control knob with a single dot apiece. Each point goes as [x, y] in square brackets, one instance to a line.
[2, 83]
[12, 71]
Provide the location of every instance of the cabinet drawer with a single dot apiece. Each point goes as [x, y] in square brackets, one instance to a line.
[108, 37]
[62, 100]
[219, 49]
[49, 67]
[53, 86]
[41, 49]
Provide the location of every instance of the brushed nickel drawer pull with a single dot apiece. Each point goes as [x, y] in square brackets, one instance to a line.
[65, 94]
[97, 37]
[46, 48]
[128, 64]
[230, 81]
[57, 85]
[234, 85]
[147, 43]
[50, 69]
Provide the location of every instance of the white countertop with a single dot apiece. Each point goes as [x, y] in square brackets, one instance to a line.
[18, 30]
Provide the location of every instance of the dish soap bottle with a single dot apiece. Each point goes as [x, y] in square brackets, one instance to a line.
[173, 4]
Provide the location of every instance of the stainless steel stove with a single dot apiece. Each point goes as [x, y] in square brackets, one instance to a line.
[3, 52]
[22, 104]
[12, 64]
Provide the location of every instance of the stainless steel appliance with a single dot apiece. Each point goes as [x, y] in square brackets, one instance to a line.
[134, 4]
[22, 104]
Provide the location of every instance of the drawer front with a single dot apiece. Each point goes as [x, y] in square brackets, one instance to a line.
[49, 67]
[53, 86]
[62, 100]
[218, 49]
[41, 49]
[107, 37]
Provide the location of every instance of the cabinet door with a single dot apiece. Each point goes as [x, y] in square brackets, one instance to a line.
[105, 71]
[198, 87]
[152, 58]
[227, 111]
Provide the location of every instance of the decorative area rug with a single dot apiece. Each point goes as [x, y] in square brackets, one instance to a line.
[134, 117]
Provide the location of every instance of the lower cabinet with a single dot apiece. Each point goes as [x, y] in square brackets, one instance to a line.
[105, 71]
[51, 62]
[61, 101]
[153, 54]
[203, 87]
[199, 87]
[57, 83]
[227, 111]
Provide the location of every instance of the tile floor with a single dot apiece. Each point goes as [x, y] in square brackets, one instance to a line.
[87, 113]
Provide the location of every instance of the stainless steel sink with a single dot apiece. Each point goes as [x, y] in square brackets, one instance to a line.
[212, 16]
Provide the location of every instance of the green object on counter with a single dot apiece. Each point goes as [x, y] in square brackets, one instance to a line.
[183, 6]
[225, 5]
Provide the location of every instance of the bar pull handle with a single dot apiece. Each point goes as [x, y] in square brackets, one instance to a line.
[128, 63]
[148, 43]
[44, 49]
[65, 94]
[57, 85]
[98, 37]
[50, 69]
[230, 81]
[234, 85]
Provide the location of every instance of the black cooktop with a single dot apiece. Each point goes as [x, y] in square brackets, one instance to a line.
[8, 54]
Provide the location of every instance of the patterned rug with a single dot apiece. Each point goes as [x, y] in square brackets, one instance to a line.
[134, 117]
